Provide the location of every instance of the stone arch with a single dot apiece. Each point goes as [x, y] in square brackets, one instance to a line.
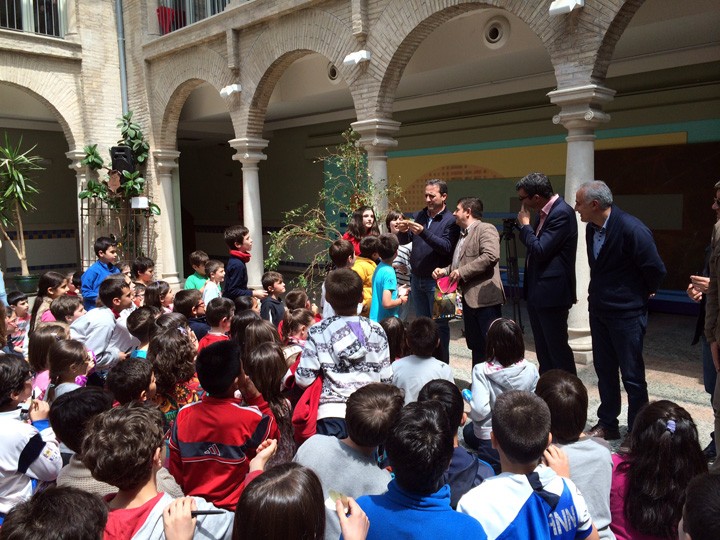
[270, 53]
[174, 80]
[613, 34]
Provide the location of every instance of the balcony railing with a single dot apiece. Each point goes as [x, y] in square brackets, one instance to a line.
[46, 17]
[174, 14]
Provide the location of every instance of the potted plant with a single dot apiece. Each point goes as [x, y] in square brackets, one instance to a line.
[16, 193]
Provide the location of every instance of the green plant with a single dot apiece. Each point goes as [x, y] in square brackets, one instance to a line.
[16, 193]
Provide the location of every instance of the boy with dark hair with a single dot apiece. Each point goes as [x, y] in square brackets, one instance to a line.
[124, 448]
[365, 267]
[529, 500]
[132, 380]
[143, 270]
[219, 313]
[348, 466]
[342, 255]
[414, 371]
[189, 303]
[348, 351]
[67, 308]
[237, 239]
[213, 440]
[18, 302]
[198, 260]
[216, 275]
[140, 324]
[106, 253]
[465, 470]
[701, 513]
[271, 307]
[387, 297]
[417, 503]
[74, 283]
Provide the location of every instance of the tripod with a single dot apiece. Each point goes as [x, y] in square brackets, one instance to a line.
[513, 272]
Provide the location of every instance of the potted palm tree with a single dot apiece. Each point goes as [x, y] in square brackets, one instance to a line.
[16, 193]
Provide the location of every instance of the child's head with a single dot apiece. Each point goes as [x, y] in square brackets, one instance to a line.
[395, 332]
[567, 399]
[122, 446]
[40, 340]
[218, 367]
[422, 337]
[132, 380]
[266, 367]
[15, 381]
[246, 303]
[18, 302]
[157, 294]
[189, 303]
[238, 237]
[297, 299]
[420, 446]
[143, 269]
[106, 250]
[169, 321]
[297, 323]
[363, 222]
[215, 271]
[115, 294]
[71, 413]
[68, 359]
[343, 290]
[391, 221]
[273, 283]
[285, 502]
[504, 342]
[57, 512]
[342, 253]
[140, 323]
[371, 412]
[387, 246]
[198, 260]
[139, 295]
[240, 322]
[172, 355]
[219, 313]
[125, 268]
[52, 285]
[75, 281]
[369, 246]
[520, 426]
[701, 514]
[448, 395]
[67, 308]
[257, 332]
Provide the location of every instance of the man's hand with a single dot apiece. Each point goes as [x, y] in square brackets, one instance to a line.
[523, 216]
[454, 276]
[414, 227]
[259, 293]
[438, 273]
[402, 225]
[693, 293]
[700, 283]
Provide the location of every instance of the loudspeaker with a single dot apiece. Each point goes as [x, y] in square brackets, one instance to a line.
[122, 160]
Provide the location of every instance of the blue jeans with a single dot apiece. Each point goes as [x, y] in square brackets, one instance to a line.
[617, 343]
[422, 290]
[483, 447]
[477, 322]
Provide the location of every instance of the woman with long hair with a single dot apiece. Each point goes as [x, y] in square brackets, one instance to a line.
[362, 223]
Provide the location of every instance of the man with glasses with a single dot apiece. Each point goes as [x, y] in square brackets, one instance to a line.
[549, 283]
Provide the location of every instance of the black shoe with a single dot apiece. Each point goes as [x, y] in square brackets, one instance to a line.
[602, 432]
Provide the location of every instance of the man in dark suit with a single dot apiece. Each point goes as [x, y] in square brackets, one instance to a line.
[625, 271]
[475, 266]
[549, 284]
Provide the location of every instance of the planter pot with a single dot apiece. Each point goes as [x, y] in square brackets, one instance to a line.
[27, 284]
[139, 202]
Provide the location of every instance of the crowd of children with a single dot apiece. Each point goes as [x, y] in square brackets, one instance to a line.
[228, 412]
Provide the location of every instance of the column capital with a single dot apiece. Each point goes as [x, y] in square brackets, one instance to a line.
[249, 150]
[166, 160]
[76, 157]
[581, 106]
[376, 134]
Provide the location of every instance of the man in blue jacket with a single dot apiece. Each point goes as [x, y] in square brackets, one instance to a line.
[625, 271]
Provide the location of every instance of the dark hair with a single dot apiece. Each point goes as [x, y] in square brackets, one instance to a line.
[218, 365]
[422, 336]
[257, 332]
[521, 426]
[239, 323]
[420, 446]
[395, 331]
[448, 395]
[340, 251]
[169, 321]
[392, 215]
[369, 245]
[343, 290]
[218, 309]
[110, 288]
[504, 342]
[155, 292]
[473, 204]
[48, 280]
[129, 379]
[13, 297]
[244, 303]
[57, 512]
[173, 358]
[387, 246]
[296, 299]
[62, 356]
[441, 185]
[77, 278]
[141, 322]
[14, 371]
[120, 444]
[140, 265]
[294, 320]
[198, 258]
[535, 183]
[233, 234]
[372, 410]
[664, 456]
[39, 343]
[356, 227]
[213, 266]
[269, 279]
[266, 367]
[567, 399]
[701, 515]
[103, 244]
[185, 301]
[286, 502]
[64, 306]
[71, 412]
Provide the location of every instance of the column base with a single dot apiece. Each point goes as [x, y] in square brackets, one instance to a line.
[173, 279]
[583, 358]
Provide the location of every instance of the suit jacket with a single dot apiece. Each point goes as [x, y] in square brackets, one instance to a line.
[712, 297]
[478, 267]
[550, 261]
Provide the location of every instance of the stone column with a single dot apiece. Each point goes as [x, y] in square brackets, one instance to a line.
[376, 138]
[85, 243]
[249, 153]
[165, 165]
[580, 114]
